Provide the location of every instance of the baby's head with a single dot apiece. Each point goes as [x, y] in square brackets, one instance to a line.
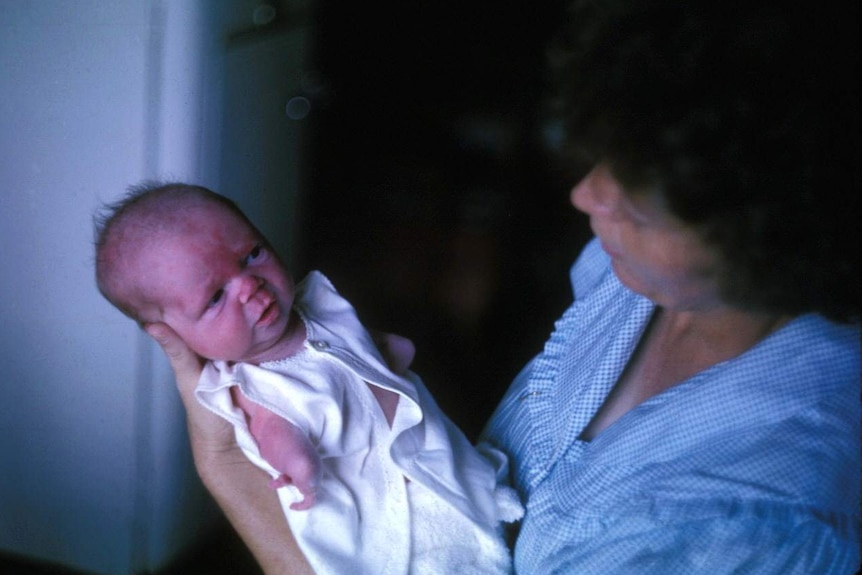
[188, 257]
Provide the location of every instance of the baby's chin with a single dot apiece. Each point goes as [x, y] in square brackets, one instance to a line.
[287, 345]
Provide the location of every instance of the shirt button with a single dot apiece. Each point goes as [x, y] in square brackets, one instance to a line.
[319, 345]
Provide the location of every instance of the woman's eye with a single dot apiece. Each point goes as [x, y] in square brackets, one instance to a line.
[216, 298]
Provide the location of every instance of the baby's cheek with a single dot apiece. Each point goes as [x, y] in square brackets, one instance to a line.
[225, 341]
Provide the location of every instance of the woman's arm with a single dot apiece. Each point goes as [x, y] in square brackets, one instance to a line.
[239, 488]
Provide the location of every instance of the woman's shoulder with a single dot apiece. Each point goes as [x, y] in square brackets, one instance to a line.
[834, 346]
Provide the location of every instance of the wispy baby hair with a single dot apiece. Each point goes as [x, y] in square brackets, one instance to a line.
[123, 227]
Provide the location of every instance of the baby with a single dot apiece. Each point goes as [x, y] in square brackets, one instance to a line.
[371, 475]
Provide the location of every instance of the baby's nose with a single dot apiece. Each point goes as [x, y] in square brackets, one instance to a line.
[249, 287]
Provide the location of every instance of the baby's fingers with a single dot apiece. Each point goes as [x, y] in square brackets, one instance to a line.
[308, 491]
[306, 503]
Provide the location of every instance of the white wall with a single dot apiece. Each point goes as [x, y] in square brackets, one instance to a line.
[94, 95]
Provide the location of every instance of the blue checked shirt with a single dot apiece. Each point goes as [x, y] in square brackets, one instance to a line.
[751, 466]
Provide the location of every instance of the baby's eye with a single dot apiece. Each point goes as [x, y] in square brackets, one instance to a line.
[216, 298]
[255, 253]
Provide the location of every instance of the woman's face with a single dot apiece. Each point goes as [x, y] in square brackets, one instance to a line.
[653, 253]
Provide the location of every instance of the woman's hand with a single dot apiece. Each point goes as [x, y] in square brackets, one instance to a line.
[205, 427]
[398, 351]
[239, 488]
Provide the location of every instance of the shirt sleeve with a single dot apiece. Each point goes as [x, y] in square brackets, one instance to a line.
[508, 430]
[511, 427]
[790, 542]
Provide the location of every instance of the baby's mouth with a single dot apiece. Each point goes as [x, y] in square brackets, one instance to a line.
[269, 315]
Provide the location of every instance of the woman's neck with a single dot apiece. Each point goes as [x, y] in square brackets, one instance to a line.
[724, 331]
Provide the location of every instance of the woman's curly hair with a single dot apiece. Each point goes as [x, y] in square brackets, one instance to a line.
[745, 117]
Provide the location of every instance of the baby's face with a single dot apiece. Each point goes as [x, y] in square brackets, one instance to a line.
[221, 288]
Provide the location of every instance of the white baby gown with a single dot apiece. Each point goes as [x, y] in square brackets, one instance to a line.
[367, 519]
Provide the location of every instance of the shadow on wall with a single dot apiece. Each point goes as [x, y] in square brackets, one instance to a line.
[220, 552]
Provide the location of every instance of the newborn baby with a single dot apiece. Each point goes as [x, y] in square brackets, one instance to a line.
[372, 476]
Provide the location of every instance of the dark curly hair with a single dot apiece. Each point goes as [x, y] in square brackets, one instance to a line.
[745, 118]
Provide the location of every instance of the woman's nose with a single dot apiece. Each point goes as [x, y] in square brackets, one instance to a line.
[597, 194]
[248, 287]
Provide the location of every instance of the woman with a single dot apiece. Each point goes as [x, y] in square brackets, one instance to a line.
[697, 407]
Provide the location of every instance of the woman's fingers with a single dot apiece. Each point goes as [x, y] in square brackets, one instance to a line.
[186, 364]
[206, 428]
[398, 351]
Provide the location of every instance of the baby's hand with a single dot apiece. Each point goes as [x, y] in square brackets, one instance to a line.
[305, 478]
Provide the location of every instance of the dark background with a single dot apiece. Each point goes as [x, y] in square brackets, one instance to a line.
[434, 203]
